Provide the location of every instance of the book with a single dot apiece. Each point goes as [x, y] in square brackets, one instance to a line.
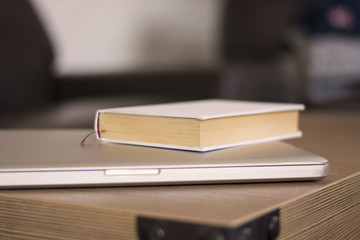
[201, 125]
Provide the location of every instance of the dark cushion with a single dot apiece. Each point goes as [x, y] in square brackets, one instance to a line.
[25, 57]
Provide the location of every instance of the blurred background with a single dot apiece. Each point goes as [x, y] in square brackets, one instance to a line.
[61, 60]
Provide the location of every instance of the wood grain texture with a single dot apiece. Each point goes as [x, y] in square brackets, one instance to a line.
[309, 210]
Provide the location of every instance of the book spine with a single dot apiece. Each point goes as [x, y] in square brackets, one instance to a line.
[96, 125]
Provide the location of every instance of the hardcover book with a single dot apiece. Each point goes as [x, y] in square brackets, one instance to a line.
[201, 125]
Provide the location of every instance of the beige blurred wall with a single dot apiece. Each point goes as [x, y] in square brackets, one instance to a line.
[116, 36]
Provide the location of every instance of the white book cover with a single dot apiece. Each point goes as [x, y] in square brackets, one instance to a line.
[203, 110]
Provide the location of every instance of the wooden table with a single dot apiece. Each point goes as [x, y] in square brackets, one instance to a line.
[325, 209]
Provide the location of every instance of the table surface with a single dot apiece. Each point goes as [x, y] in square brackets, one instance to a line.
[335, 136]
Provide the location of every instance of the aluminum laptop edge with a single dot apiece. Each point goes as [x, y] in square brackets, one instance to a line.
[55, 158]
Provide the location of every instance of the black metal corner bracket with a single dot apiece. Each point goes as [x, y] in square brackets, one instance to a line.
[266, 227]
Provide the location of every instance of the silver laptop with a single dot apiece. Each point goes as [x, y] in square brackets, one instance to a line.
[55, 158]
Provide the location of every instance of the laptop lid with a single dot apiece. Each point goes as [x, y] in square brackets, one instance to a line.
[55, 158]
